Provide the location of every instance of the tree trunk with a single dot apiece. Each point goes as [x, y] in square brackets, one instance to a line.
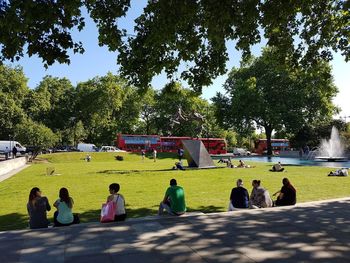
[147, 126]
[268, 132]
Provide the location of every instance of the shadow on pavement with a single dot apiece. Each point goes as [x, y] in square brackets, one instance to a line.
[306, 233]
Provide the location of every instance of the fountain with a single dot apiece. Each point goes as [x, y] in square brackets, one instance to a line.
[332, 150]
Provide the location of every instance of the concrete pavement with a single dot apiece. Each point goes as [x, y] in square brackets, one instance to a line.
[309, 232]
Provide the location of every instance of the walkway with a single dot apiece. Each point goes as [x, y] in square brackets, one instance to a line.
[310, 232]
[12, 173]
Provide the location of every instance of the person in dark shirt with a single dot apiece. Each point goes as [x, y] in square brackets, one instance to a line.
[37, 207]
[239, 197]
[14, 152]
[287, 194]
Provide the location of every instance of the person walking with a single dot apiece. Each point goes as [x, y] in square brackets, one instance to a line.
[14, 152]
[154, 155]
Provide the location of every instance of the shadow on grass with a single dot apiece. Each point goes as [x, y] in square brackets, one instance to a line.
[132, 171]
[159, 155]
[13, 221]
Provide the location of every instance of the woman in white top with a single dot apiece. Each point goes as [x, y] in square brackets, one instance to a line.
[120, 214]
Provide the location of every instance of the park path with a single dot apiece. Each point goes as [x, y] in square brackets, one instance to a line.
[307, 232]
[12, 173]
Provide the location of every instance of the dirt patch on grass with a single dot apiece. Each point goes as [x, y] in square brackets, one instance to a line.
[40, 160]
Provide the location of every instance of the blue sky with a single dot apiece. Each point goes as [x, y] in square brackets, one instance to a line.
[97, 61]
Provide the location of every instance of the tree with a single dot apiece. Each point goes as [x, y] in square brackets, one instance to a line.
[35, 134]
[276, 96]
[148, 112]
[312, 133]
[13, 90]
[107, 105]
[171, 32]
[52, 103]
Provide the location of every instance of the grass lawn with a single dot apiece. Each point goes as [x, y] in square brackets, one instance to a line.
[143, 184]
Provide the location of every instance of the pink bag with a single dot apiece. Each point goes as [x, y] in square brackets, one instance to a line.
[108, 212]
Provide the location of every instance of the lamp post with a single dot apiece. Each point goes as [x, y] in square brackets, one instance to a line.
[73, 119]
[207, 121]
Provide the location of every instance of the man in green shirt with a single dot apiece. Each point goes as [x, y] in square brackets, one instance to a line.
[174, 200]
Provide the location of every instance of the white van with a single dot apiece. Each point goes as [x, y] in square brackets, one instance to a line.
[6, 146]
[87, 147]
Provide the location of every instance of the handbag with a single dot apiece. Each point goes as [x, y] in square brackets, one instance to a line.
[108, 212]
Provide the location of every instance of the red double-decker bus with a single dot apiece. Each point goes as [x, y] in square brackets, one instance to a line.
[172, 143]
[134, 143]
[215, 145]
[277, 145]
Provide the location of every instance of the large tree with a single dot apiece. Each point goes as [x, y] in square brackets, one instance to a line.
[13, 91]
[173, 31]
[107, 105]
[276, 96]
[35, 135]
[52, 103]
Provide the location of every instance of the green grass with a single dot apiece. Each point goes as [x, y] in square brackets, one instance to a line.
[143, 184]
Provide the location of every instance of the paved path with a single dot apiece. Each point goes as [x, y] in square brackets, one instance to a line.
[13, 172]
[310, 232]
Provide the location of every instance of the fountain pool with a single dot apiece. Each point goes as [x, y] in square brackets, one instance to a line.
[295, 161]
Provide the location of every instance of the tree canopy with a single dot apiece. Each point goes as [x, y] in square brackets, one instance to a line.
[275, 96]
[171, 32]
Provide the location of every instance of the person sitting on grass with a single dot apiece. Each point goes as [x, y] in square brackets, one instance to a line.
[241, 164]
[178, 165]
[37, 207]
[120, 213]
[259, 197]
[287, 194]
[239, 197]
[64, 216]
[277, 167]
[174, 200]
[230, 165]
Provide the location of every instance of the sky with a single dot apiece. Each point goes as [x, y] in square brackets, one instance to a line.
[97, 61]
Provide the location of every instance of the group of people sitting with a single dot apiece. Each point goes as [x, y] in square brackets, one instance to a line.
[173, 202]
[230, 164]
[38, 206]
[260, 197]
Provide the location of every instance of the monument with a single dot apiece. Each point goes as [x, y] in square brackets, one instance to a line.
[197, 155]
